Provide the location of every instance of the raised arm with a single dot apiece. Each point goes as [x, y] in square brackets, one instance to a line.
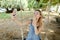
[13, 17]
[27, 22]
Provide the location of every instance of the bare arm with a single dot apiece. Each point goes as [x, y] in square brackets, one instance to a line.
[27, 22]
[13, 16]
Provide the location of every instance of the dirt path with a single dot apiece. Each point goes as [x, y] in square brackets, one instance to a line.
[9, 30]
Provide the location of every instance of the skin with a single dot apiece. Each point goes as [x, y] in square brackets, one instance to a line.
[34, 23]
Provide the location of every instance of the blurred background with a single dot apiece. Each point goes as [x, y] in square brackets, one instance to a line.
[9, 30]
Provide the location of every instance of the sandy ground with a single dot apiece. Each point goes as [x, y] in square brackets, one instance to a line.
[9, 30]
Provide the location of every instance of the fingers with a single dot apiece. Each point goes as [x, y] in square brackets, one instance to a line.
[13, 15]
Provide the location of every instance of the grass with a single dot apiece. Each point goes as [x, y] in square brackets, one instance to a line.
[4, 16]
[19, 14]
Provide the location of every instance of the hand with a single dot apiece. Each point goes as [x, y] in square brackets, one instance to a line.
[13, 16]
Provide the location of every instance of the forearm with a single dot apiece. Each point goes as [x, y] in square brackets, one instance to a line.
[26, 22]
[18, 22]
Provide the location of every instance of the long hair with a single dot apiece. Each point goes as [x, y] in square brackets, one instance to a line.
[39, 22]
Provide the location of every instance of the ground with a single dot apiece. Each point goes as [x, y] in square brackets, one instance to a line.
[9, 30]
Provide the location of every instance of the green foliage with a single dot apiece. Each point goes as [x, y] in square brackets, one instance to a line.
[54, 2]
[4, 16]
[13, 3]
[31, 3]
[42, 3]
[45, 1]
[9, 3]
[37, 4]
